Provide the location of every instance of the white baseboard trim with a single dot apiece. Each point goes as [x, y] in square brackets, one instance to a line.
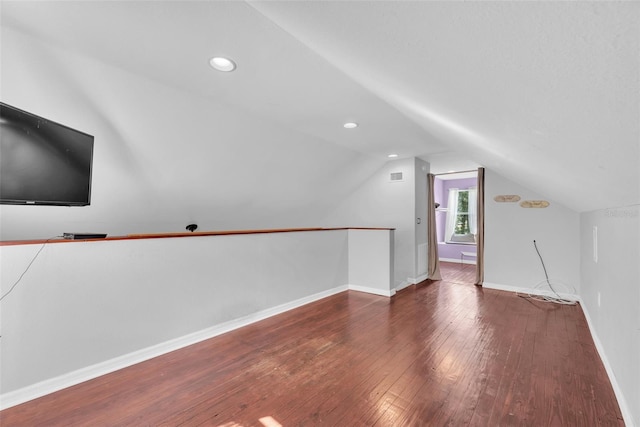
[403, 284]
[624, 408]
[532, 291]
[42, 388]
[416, 280]
[374, 291]
[464, 261]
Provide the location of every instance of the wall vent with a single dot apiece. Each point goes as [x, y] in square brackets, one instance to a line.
[395, 176]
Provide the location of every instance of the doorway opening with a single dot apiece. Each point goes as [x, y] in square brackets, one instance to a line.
[455, 195]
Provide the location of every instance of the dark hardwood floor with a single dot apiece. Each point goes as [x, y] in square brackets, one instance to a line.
[458, 272]
[436, 354]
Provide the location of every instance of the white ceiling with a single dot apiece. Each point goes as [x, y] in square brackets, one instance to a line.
[546, 94]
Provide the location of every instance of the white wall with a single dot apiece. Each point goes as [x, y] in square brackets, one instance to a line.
[610, 294]
[371, 261]
[165, 158]
[378, 202]
[511, 261]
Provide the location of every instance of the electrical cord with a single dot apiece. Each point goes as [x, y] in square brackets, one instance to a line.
[546, 275]
[557, 299]
[541, 296]
[28, 266]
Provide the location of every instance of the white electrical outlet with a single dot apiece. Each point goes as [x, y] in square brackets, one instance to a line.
[598, 299]
[595, 244]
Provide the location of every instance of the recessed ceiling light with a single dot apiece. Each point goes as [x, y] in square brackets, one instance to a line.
[392, 156]
[222, 64]
[350, 125]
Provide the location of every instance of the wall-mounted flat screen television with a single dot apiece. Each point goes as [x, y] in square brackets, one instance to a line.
[43, 162]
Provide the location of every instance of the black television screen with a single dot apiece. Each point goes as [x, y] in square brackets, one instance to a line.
[43, 162]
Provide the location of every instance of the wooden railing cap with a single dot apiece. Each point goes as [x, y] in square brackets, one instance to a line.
[183, 234]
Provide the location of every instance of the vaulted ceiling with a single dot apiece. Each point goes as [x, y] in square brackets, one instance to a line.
[545, 93]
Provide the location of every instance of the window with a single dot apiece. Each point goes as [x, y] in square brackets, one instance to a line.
[461, 216]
